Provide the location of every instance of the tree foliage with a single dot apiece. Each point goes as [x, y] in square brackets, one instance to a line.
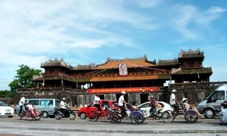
[6, 94]
[23, 78]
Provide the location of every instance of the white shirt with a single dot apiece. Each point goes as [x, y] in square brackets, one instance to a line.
[120, 101]
[96, 100]
[22, 101]
[63, 104]
[172, 97]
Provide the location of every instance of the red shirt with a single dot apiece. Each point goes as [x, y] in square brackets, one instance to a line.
[152, 103]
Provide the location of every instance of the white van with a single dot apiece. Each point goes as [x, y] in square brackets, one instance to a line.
[47, 105]
[213, 101]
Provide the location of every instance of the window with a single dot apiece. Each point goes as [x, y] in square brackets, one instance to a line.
[46, 102]
[34, 102]
[218, 95]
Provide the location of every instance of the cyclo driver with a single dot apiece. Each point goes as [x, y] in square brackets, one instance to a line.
[121, 103]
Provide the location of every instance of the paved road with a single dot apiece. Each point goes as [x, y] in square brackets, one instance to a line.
[78, 127]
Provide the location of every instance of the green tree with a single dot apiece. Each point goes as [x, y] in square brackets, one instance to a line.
[6, 93]
[24, 77]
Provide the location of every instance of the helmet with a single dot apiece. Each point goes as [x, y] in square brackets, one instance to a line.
[184, 99]
[123, 92]
[173, 91]
[63, 98]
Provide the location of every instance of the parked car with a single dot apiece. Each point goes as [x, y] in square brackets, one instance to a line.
[46, 105]
[83, 111]
[146, 107]
[6, 110]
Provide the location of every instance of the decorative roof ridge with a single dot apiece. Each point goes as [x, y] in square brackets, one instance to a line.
[168, 60]
[92, 65]
[139, 58]
[54, 62]
[190, 52]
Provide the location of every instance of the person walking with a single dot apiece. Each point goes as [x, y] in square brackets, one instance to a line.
[121, 103]
[173, 102]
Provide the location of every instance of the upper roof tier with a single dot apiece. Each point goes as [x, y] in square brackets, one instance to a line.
[191, 54]
[54, 63]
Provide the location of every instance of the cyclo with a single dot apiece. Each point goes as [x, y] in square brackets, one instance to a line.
[94, 114]
[29, 115]
[190, 115]
[136, 116]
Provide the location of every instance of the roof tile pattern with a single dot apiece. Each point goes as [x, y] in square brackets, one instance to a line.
[139, 62]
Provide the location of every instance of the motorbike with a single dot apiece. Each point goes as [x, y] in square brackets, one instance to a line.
[67, 114]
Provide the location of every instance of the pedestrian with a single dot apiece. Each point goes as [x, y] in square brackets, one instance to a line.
[121, 103]
[173, 102]
[21, 104]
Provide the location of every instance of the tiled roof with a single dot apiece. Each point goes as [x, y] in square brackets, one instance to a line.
[192, 71]
[167, 62]
[138, 62]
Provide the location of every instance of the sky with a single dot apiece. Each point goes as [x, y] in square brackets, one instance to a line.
[90, 31]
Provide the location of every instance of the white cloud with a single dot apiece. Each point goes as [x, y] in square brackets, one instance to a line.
[215, 9]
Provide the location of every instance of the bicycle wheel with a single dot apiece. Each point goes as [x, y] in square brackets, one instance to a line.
[136, 117]
[115, 117]
[168, 116]
[191, 116]
[39, 114]
[108, 113]
[93, 115]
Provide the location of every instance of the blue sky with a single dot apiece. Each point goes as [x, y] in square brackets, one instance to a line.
[90, 31]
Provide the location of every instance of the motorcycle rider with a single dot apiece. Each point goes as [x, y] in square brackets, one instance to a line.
[63, 109]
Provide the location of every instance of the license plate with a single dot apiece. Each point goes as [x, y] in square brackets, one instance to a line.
[7, 113]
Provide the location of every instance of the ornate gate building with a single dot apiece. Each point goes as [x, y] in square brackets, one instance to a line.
[139, 77]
